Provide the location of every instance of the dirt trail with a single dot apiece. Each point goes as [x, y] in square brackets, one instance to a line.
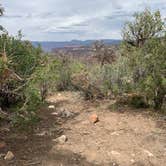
[124, 138]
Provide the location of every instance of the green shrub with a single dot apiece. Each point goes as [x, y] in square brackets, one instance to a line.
[18, 64]
[146, 56]
[64, 79]
[138, 102]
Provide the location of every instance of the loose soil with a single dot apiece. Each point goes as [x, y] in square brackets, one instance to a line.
[123, 137]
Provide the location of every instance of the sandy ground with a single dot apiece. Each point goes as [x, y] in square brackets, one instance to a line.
[121, 138]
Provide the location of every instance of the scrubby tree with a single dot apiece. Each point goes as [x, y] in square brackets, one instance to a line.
[153, 84]
[144, 44]
[103, 53]
[19, 60]
[23, 74]
[145, 26]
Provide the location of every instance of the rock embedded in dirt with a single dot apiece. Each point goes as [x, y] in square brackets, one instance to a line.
[64, 113]
[132, 161]
[67, 114]
[51, 107]
[59, 94]
[2, 145]
[9, 156]
[115, 153]
[115, 164]
[148, 153]
[94, 118]
[43, 133]
[115, 133]
[62, 139]
[54, 113]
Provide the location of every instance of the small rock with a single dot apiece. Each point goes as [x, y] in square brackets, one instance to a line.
[132, 161]
[115, 153]
[67, 114]
[148, 153]
[133, 155]
[62, 139]
[51, 107]
[115, 133]
[59, 94]
[9, 156]
[43, 133]
[114, 164]
[94, 118]
[2, 145]
[54, 113]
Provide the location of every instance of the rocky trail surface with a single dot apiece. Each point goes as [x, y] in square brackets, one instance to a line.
[75, 132]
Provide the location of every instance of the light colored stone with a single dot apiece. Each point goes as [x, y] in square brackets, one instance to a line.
[148, 153]
[51, 107]
[132, 161]
[43, 133]
[133, 155]
[115, 133]
[9, 156]
[59, 94]
[115, 153]
[62, 139]
[54, 113]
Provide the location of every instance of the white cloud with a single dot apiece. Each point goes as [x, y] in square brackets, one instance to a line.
[72, 19]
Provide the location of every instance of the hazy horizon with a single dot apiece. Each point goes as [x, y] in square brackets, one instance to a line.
[72, 40]
[66, 20]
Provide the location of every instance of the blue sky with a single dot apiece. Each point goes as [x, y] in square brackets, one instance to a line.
[60, 20]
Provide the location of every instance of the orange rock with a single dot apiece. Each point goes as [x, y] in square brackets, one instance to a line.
[2, 145]
[94, 118]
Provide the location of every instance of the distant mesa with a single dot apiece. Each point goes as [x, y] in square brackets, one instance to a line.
[49, 46]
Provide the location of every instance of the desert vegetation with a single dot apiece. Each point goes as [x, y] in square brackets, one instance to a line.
[132, 73]
[135, 69]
